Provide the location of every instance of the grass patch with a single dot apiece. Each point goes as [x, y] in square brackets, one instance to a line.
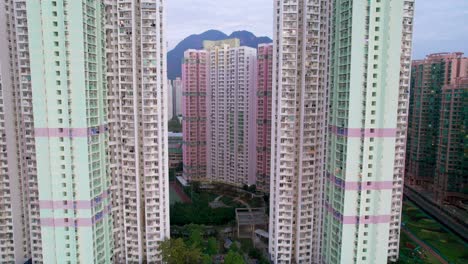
[408, 254]
[447, 244]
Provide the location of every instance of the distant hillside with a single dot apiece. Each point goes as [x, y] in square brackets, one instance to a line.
[175, 56]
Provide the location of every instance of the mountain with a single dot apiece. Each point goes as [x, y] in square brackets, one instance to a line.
[175, 56]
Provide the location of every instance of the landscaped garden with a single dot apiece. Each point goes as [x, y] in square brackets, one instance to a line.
[193, 244]
[204, 209]
[445, 243]
[200, 215]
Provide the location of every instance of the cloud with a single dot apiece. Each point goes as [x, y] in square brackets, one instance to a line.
[440, 25]
[186, 17]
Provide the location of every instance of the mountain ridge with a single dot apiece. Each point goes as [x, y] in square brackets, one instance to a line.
[195, 41]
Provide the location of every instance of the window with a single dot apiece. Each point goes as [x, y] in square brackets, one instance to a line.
[54, 13]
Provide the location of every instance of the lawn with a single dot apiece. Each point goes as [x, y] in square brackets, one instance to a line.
[449, 245]
[410, 256]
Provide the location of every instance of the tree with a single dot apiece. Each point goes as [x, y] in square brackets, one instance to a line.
[195, 186]
[174, 125]
[212, 246]
[195, 237]
[207, 259]
[234, 247]
[252, 188]
[233, 258]
[175, 251]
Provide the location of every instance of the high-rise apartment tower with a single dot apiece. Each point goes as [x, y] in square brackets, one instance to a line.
[300, 59]
[231, 115]
[194, 115]
[369, 96]
[19, 202]
[263, 122]
[170, 104]
[429, 76]
[138, 127]
[451, 174]
[68, 78]
[177, 96]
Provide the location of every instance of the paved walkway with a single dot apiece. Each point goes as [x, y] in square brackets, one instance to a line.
[425, 246]
[242, 202]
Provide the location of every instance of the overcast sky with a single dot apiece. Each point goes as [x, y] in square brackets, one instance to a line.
[440, 25]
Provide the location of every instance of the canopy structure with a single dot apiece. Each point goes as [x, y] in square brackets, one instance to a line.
[250, 219]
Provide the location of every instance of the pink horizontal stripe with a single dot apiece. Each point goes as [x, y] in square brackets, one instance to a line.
[62, 222]
[48, 204]
[370, 219]
[69, 132]
[70, 204]
[348, 220]
[364, 132]
[365, 185]
[75, 222]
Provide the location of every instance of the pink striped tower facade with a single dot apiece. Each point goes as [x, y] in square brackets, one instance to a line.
[264, 85]
[194, 85]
